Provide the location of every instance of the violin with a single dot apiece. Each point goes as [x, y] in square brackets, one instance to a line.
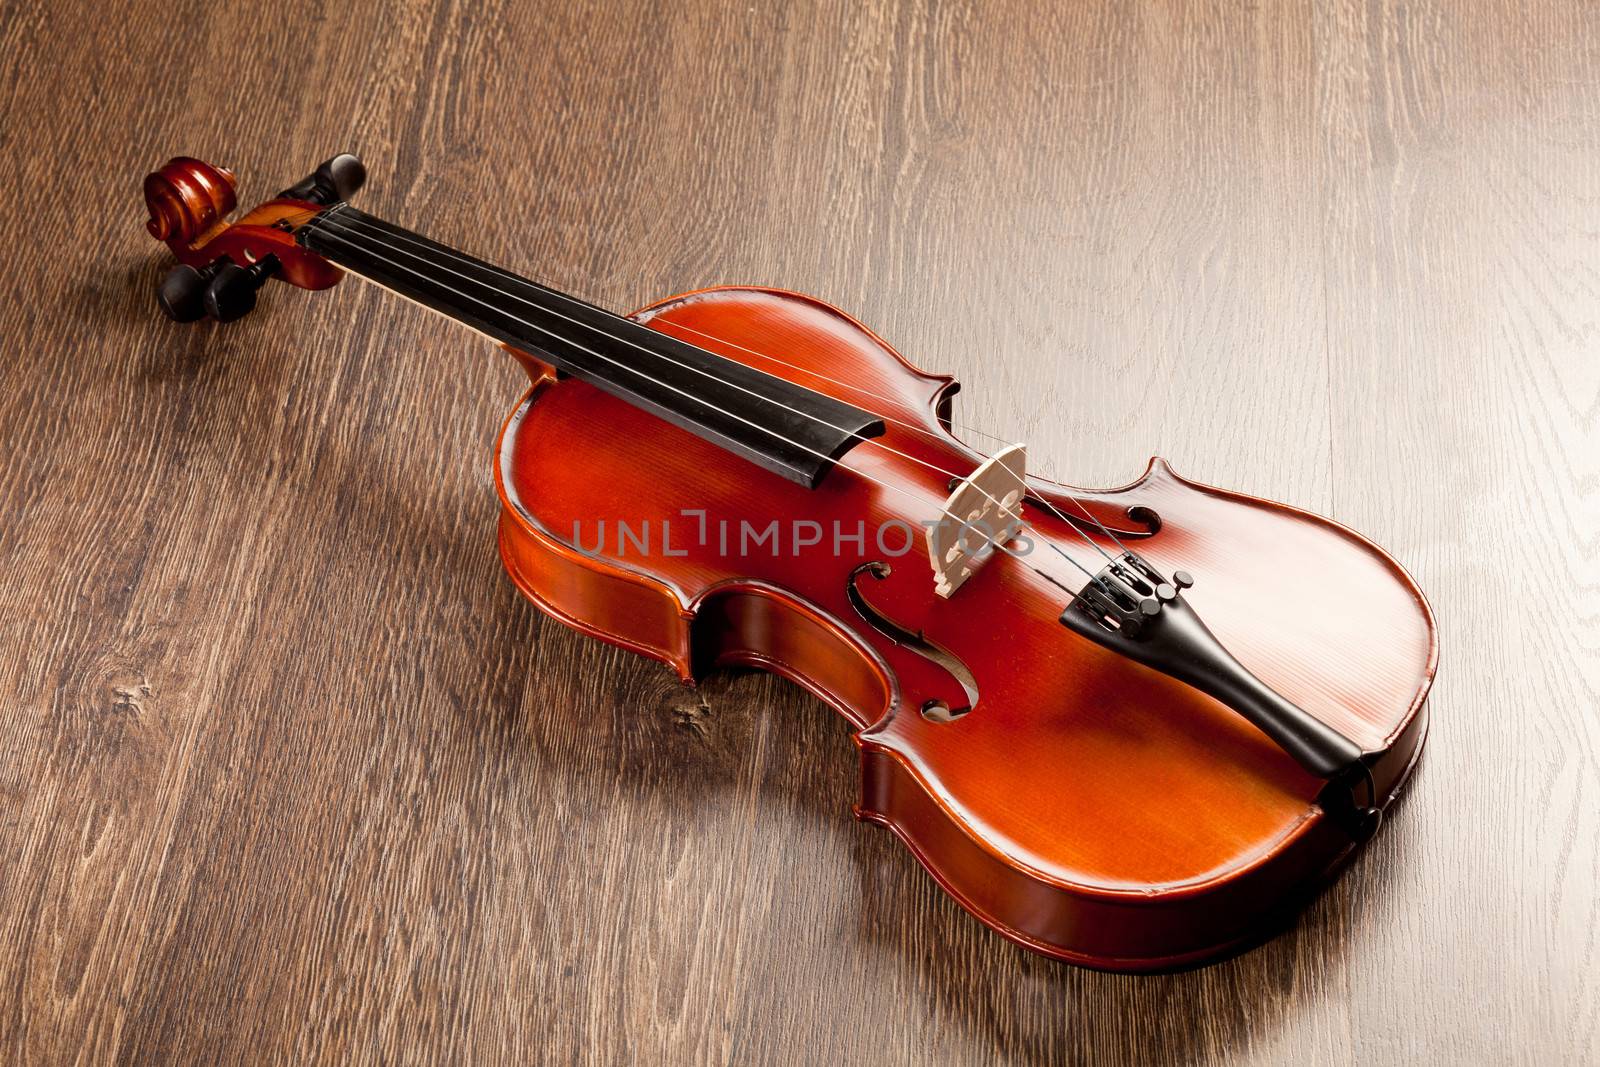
[1134, 728]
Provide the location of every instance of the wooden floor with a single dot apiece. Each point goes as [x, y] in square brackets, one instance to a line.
[289, 772]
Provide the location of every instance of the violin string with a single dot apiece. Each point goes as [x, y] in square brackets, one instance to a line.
[767, 430]
[1053, 483]
[344, 224]
[324, 224]
[347, 223]
[300, 218]
[1049, 506]
[914, 428]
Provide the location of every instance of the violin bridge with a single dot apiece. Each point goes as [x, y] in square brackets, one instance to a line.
[984, 510]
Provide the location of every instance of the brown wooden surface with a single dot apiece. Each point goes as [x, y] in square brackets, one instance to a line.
[287, 769]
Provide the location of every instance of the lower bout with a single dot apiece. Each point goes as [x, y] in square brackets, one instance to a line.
[1117, 932]
[1125, 931]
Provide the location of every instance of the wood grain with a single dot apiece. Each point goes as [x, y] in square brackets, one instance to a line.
[288, 771]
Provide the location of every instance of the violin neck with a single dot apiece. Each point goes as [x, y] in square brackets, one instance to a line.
[786, 428]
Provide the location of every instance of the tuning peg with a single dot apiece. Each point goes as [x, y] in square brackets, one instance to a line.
[336, 179]
[231, 293]
[345, 173]
[182, 292]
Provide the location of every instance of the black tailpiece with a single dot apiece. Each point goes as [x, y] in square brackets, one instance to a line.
[1132, 610]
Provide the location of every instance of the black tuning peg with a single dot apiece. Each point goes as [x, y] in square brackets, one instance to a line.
[231, 293]
[346, 173]
[335, 180]
[183, 290]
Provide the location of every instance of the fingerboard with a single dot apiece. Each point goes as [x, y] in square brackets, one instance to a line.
[790, 430]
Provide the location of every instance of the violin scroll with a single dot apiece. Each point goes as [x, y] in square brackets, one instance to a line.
[221, 265]
[187, 197]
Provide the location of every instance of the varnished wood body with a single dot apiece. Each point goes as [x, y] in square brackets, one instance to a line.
[1087, 807]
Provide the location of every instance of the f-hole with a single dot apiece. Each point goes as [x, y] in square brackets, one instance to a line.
[914, 641]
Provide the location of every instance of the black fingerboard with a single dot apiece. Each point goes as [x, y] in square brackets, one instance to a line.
[786, 428]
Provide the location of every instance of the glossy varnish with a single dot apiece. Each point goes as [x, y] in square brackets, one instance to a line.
[1086, 807]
